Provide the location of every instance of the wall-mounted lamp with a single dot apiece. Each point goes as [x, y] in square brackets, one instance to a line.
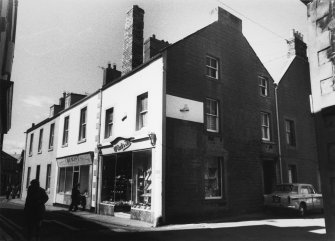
[153, 138]
[185, 108]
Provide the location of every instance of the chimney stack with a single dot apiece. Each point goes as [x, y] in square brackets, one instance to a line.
[153, 46]
[296, 45]
[110, 74]
[133, 40]
[229, 19]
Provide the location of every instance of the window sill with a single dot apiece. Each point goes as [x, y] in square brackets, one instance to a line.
[210, 77]
[30, 155]
[40, 152]
[81, 141]
[64, 145]
[268, 141]
[51, 149]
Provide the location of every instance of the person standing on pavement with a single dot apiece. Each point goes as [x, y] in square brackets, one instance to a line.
[34, 209]
[8, 191]
[75, 198]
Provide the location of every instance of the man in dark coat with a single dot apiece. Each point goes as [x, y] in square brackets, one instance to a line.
[34, 209]
[75, 198]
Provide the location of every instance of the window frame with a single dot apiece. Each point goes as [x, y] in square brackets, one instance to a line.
[40, 141]
[51, 136]
[220, 161]
[263, 86]
[210, 67]
[290, 135]
[48, 178]
[31, 144]
[65, 139]
[82, 125]
[217, 116]
[268, 126]
[109, 123]
[28, 176]
[140, 113]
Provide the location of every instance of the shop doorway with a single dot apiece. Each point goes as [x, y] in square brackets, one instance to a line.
[269, 176]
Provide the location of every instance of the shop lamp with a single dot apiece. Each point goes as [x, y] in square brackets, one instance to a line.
[153, 138]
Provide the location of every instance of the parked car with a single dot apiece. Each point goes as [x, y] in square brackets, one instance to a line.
[295, 196]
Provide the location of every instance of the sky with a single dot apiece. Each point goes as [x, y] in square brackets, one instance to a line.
[61, 45]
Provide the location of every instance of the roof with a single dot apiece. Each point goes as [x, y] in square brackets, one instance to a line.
[5, 155]
[278, 68]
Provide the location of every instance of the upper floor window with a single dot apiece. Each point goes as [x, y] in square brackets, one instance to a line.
[212, 67]
[263, 86]
[290, 132]
[212, 115]
[48, 178]
[31, 144]
[40, 141]
[66, 131]
[109, 122]
[265, 125]
[51, 136]
[142, 111]
[82, 124]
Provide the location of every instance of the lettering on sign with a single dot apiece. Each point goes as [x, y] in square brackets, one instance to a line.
[121, 143]
[77, 160]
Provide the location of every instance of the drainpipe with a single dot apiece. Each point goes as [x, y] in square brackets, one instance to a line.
[97, 192]
[278, 134]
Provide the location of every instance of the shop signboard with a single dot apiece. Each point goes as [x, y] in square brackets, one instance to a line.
[120, 144]
[77, 160]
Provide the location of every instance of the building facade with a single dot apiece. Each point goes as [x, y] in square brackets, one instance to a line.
[190, 133]
[321, 48]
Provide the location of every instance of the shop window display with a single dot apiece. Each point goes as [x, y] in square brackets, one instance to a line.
[68, 176]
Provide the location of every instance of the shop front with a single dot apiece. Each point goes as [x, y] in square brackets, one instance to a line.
[126, 179]
[74, 169]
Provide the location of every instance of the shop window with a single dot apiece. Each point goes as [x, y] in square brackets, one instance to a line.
[265, 126]
[28, 177]
[142, 111]
[290, 132]
[82, 124]
[68, 176]
[292, 173]
[109, 122]
[126, 180]
[40, 139]
[263, 86]
[66, 131]
[212, 115]
[31, 144]
[212, 67]
[213, 178]
[48, 177]
[51, 136]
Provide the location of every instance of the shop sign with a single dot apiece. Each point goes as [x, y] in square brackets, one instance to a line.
[84, 159]
[121, 144]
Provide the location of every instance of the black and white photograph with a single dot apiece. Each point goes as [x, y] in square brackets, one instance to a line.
[167, 120]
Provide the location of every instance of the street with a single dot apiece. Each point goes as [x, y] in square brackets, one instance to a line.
[59, 224]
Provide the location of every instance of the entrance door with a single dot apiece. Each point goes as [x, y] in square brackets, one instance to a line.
[123, 177]
[269, 176]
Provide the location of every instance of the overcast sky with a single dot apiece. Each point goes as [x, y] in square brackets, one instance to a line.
[61, 43]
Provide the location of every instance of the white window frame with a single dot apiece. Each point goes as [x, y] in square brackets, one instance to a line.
[141, 113]
[48, 178]
[263, 86]
[265, 126]
[51, 136]
[289, 133]
[212, 115]
[40, 141]
[210, 67]
[109, 123]
[65, 141]
[31, 144]
[82, 124]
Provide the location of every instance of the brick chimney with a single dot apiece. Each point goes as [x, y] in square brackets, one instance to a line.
[133, 40]
[296, 45]
[110, 74]
[152, 46]
[229, 19]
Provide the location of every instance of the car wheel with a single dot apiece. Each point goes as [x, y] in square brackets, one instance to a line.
[302, 210]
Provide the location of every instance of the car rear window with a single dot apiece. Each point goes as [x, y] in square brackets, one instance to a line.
[286, 188]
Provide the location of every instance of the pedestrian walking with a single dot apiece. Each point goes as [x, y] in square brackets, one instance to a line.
[75, 198]
[8, 191]
[14, 191]
[34, 209]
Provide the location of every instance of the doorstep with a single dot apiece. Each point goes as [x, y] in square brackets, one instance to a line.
[122, 215]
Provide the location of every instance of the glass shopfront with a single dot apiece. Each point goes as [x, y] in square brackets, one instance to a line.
[126, 179]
